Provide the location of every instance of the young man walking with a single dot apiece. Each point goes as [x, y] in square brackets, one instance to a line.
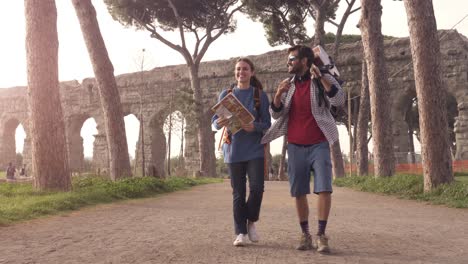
[301, 110]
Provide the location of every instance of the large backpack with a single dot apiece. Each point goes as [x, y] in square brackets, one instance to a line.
[336, 111]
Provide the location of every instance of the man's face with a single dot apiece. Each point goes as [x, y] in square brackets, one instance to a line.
[296, 65]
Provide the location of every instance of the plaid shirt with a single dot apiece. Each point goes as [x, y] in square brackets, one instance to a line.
[322, 114]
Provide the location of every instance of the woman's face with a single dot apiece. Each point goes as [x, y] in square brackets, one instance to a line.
[243, 72]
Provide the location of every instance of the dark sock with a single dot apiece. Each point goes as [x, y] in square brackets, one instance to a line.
[305, 227]
[322, 224]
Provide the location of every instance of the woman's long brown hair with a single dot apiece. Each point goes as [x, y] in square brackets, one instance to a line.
[253, 80]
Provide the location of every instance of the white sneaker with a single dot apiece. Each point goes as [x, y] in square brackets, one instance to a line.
[241, 240]
[253, 236]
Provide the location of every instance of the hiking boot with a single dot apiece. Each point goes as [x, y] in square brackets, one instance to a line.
[322, 244]
[241, 240]
[306, 242]
[252, 231]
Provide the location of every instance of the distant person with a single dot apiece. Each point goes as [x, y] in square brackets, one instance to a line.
[301, 110]
[23, 171]
[243, 152]
[10, 171]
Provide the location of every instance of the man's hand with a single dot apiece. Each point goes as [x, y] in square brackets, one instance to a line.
[248, 127]
[283, 87]
[315, 71]
[222, 121]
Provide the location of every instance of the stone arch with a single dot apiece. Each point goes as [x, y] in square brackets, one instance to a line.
[452, 115]
[19, 138]
[405, 118]
[75, 142]
[100, 150]
[404, 122]
[144, 118]
[132, 136]
[88, 132]
[157, 144]
[8, 141]
[175, 141]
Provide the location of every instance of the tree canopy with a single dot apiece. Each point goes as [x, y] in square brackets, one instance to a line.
[283, 21]
[206, 19]
[194, 13]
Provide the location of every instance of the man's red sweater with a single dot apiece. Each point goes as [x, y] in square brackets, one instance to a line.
[302, 127]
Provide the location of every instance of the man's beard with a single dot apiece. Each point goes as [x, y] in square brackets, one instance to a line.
[295, 69]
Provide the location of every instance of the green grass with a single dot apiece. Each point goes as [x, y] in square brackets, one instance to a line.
[20, 201]
[461, 176]
[462, 179]
[2, 175]
[411, 187]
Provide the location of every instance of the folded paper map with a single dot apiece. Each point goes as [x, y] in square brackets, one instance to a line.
[231, 108]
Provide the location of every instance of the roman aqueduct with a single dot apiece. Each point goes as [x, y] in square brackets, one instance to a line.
[80, 101]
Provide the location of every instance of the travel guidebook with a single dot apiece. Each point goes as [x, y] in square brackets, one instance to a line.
[231, 108]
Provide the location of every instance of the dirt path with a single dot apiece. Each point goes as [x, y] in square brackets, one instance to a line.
[195, 226]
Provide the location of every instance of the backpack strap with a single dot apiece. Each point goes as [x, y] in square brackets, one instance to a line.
[231, 87]
[257, 99]
[257, 102]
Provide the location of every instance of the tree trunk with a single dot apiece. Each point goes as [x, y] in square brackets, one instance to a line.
[362, 124]
[181, 152]
[205, 145]
[411, 145]
[50, 167]
[335, 149]
[337, 160]
[379, 90]
[425, 49]
[109, 94]
[288, 28]
[281, 169]
[319, 27]
[142, 136]
[349, 127]
[409, 121]
[169, 139]
[355, 116]
[339, 31]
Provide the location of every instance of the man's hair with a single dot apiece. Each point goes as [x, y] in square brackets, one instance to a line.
[303, 52]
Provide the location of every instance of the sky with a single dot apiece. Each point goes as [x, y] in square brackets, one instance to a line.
[125, 46]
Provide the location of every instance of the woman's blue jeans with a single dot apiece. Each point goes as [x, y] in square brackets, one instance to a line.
[250, 209]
